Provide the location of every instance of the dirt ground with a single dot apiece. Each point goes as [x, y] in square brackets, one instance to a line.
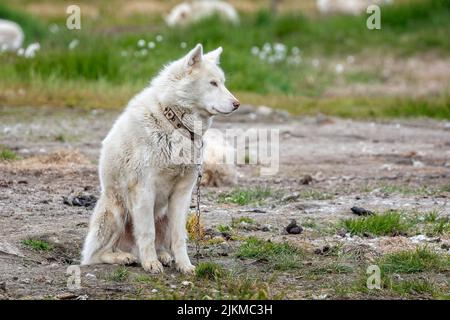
[384, 165]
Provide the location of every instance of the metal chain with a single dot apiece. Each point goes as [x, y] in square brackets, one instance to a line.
[198, 213]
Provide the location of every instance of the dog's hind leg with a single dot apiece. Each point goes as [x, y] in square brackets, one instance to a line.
[106, 227]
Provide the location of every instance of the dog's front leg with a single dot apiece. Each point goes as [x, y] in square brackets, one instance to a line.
[144, 228]
[178, 208]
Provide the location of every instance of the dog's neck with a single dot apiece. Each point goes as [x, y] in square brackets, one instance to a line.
[185, 119]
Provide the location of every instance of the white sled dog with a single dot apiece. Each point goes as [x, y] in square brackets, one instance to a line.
[147, 172]
[188, 12]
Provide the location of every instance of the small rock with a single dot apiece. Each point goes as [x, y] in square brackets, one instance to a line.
[264, 110]
[307, 179]
[293, 228]
[318, 251]
[172, 286]
[66, 296]
[82, 297]
[322, 250]
[361, 211]
[91, 277]
[187, 283]
[87, 201]
[320, 296]
[266, 228]
[154, 291]
[291, 197]
[418, 164]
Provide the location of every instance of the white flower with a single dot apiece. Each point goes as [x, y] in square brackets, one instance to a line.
[53, 28]
[143, 52]
[267, 47]
[295, 51]
[31, 50]
[339, 68]
[73, 44]
[151, 45]
[183, 45]
[255, 51]
[315, 62]
[141, 43]
[21, 52]
[159, 38]
[262, 55]
[279, 47]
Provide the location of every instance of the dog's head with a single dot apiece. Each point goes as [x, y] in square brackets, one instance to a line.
[197, 80]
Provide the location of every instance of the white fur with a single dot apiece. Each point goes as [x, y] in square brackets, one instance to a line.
[146, 173]
[11, 35]
[353, 7]
[189, 12]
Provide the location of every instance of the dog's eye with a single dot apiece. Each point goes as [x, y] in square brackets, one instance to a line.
[213, 83]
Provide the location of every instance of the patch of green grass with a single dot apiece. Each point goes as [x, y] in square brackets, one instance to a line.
[245, 288]
[120, 274]
[280, 256]
[37, 244]
[237, 222]
[385, 224]
[223, 228]
[246, 196]
[209, 270]
[406, 190]
[440, 227]
[431, 216]
[419, 260]
[97, 74]
[413, 287]
[8, 155]
[140, 278]
[61, 138]
[332, 268]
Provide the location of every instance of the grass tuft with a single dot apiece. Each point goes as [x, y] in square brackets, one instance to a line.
[245, 196]
[386, 224]
[419, 260]
[39, 245]
[8, 155]
[209, 270]
[280, 256]
[120, 274]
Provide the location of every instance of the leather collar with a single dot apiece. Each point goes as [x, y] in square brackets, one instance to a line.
[177, 123]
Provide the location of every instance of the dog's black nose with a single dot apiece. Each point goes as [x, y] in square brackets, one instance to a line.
[236, 104]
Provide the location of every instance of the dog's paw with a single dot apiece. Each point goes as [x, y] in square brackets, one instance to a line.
[165, 258]
[126, 259]
[153, 266]
[185, 268]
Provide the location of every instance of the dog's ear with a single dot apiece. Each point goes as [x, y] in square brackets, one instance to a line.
[195, 55]
[214, 55]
